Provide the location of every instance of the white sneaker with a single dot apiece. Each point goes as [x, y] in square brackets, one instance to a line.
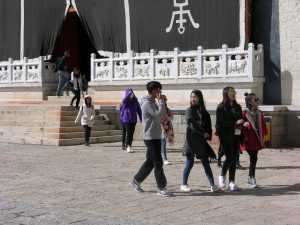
[252, 182]
[164, 192]
[214, 188]
[167, 162]
[129, 150]
[233, 186]
[185, 188]
[222, 182]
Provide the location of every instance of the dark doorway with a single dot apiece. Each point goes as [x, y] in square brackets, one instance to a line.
[74, 38]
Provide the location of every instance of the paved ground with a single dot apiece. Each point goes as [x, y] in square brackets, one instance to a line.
[79, 185]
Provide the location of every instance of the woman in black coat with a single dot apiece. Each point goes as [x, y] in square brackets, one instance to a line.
[198, 132]
[229, 123]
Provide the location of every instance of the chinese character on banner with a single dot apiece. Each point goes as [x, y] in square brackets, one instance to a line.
[181, 20]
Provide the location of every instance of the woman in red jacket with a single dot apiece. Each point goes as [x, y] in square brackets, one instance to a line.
[255, 131]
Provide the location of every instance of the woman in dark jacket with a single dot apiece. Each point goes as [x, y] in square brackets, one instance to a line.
[229, 123]
[130, 108]
[198, 132]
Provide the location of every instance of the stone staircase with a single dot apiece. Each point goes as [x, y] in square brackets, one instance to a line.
[52, 123]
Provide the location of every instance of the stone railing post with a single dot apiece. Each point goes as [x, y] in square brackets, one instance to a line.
[111, 66]
[199, 62]
[24, 69]
[41, 67]
[10, 70]
[262, 61]
[93, 72]
[152, 64]
[130, 65]
[176, 69]
[251, 58]
[224, 61]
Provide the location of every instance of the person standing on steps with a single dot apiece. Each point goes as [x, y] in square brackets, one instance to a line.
[63, 74]
[197, 133]
[86, 115]
[229, 123]
[129, 110]
[76, 80]
[152, 113]
[255, 131]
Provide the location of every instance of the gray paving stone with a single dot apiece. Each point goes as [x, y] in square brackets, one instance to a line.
[42, 185]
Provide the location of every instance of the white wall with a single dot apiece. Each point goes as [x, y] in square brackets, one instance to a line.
[289, 27]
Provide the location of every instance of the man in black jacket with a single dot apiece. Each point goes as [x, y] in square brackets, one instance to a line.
[63, 74]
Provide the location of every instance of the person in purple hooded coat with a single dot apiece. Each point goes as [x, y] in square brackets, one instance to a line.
[129, 110]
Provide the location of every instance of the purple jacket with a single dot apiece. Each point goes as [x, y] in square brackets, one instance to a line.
[129, 108]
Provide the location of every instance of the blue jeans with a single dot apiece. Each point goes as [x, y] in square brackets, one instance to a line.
[189, 165]
[63, 77]
[164, 149]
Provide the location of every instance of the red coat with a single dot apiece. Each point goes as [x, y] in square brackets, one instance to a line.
[254, 140]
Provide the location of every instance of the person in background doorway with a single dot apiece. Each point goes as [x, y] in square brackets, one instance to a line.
[255, 131]
[130, 108]
[63, 74]
[167, 134]
[86, 115]
[77, 86]
[85, 86]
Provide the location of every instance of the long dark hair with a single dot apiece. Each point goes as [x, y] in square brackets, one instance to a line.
[226, 100]
[248, 99]
[201, 104]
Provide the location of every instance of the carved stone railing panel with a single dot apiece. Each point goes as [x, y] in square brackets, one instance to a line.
[188, 67]
[120, 70]
[237, 64]
[164, 68]
[4, 74]
[141, 69]
[102, 71]
[212, 66]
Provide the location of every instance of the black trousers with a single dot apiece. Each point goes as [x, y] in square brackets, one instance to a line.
[87, 133]
[153, 160]
[127, 135]
[253, 161]
[231, 152]
[76, 97]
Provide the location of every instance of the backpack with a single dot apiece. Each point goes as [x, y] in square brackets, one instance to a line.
[57, 64]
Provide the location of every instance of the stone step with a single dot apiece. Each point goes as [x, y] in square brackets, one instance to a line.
[93, 140]
[79, 128]
[72, 124]
[73, 117]
[72, 135]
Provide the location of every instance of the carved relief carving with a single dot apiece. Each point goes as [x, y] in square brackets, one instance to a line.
[164, 70]
[142, 70]
[188, 68]
[121, 70]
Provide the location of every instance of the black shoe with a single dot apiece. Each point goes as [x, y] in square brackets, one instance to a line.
[77, 107]
[123, 147]
[86, 144]
[239, 167]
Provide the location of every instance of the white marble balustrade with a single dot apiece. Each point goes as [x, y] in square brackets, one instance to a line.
[24, 71]
[200, 64]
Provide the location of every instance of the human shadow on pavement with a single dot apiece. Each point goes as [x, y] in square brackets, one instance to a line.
[266, 190]
[278, 167]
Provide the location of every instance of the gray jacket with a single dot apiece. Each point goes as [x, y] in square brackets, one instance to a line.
[152, 113]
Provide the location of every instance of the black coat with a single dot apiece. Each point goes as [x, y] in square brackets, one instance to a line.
[195, 142]
[226, 118]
